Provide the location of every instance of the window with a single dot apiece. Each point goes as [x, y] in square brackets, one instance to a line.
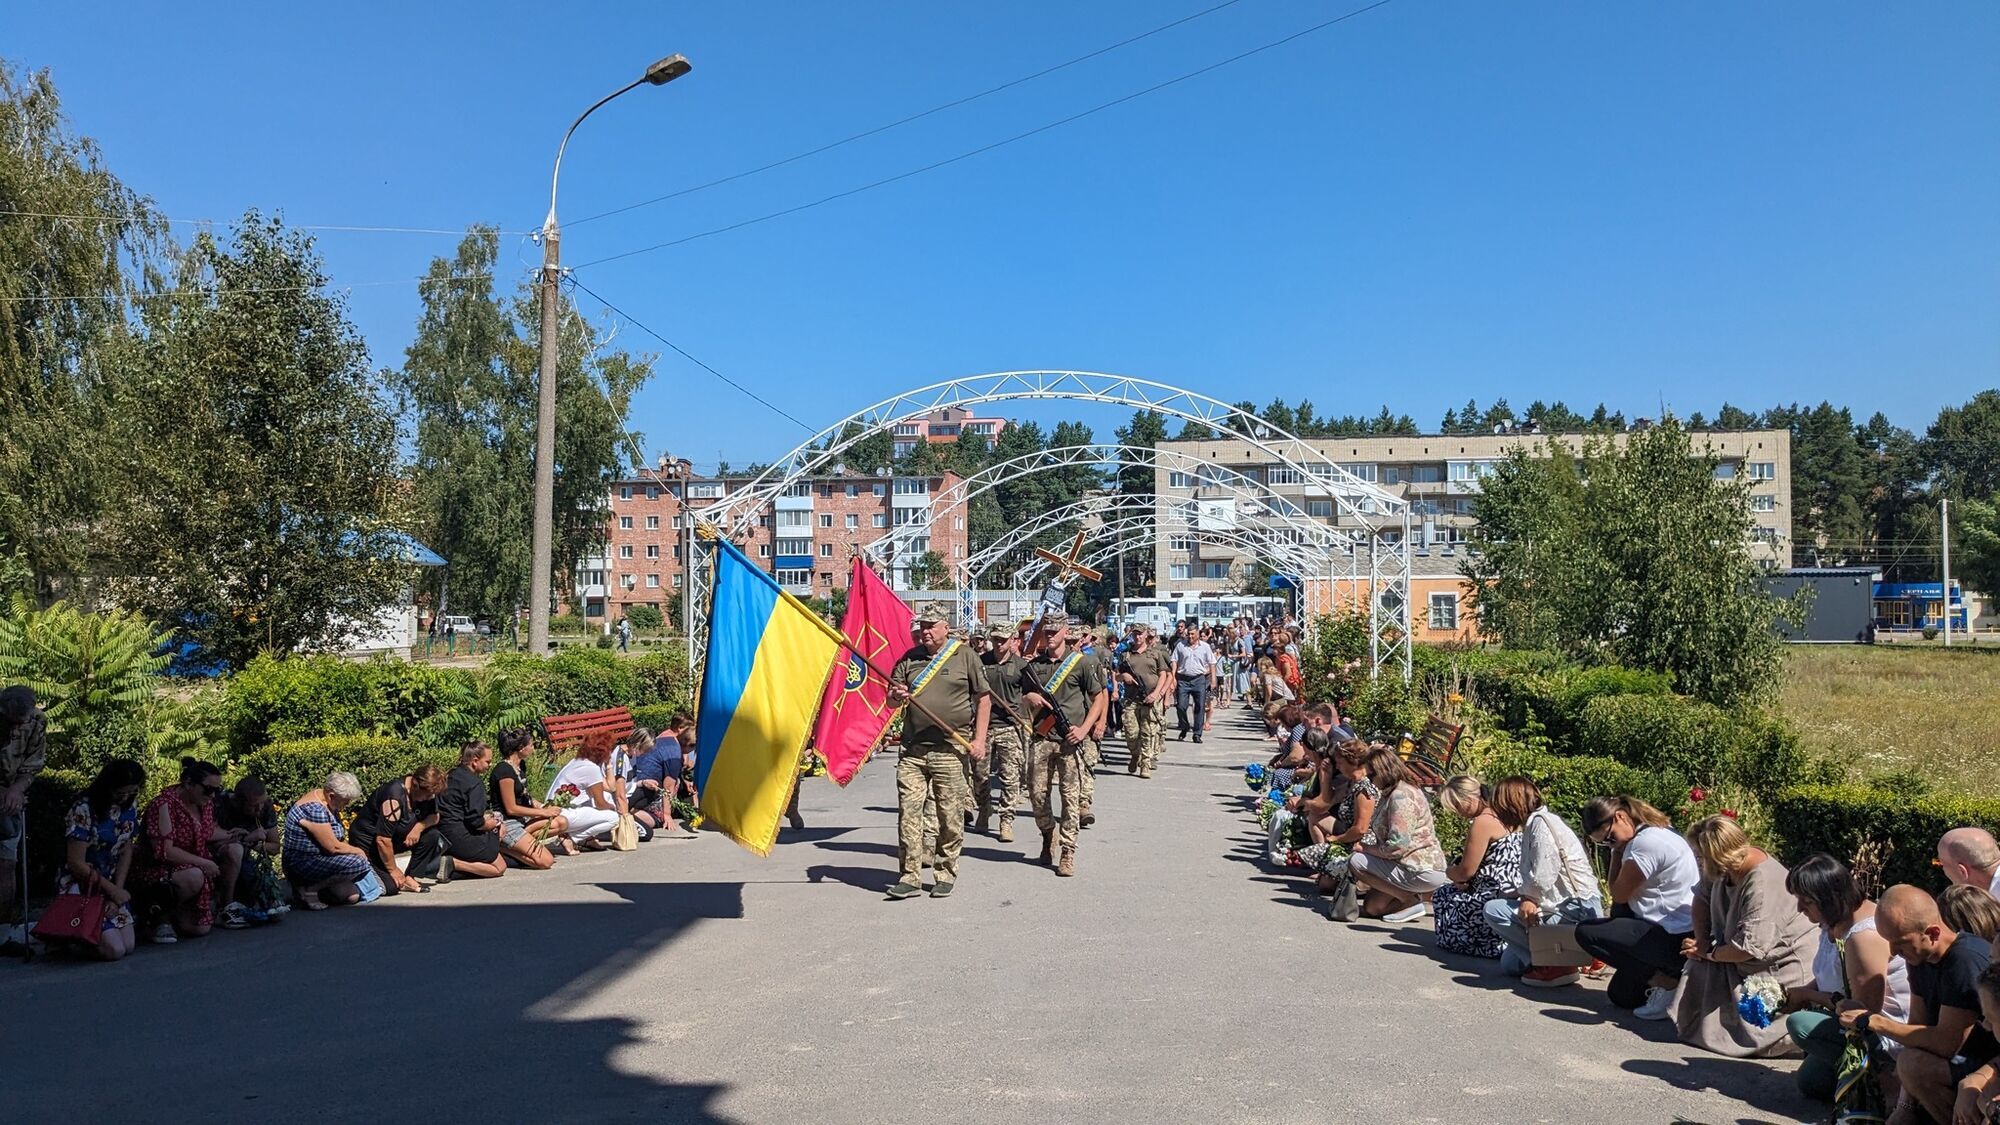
[1320, 509]
[795, 546]
[702, 491]
[652, 550]
[625, 552]
[907, 429]
[853, 490]
[1178, 572]
[677, 552]
[1180, 542]
[1725, 471]
[1763, 503]
[1179, 480]
[677, 581]
[1444, 611]
[624, 523]
[908, 486]
[1391, 476]
[795, 519]
[1468, 470]
[1423, 474]
[763, 550]
[826, 550]
[958, 550]
[1363, 469]
[826, 578]
[652, 582]
[881, 520]
[677, 523]
[624, 492]
[628, 580]
[853, 521]
[652, 492]
[1761, 470]
[1215, 570]
[878, 490]
[1283, 474]
[794, 577]
[652, 523]
[1764, 534]
[826, 519]
[798, 491]
[906, 516]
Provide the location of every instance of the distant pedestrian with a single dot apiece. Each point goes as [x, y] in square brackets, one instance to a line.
[624, 634]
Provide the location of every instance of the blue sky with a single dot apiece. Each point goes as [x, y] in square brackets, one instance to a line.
[1636, 204]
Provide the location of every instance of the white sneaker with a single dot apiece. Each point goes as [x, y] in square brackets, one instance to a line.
[1407, 914]
[1659, 1005]
[163, 934]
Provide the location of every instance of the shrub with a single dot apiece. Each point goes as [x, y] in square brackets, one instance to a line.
[275, 700]
[645, 617]
[92, 674]
[653, 716]
[569, 624]
[1699, 741]
[1881, 828]
[289, 769]
[663, 676]
[1569, 782]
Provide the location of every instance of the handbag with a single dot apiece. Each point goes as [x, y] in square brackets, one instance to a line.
[1344, 904]
[625, 835]
[72, 917]
[1553, 944]
[370, 886]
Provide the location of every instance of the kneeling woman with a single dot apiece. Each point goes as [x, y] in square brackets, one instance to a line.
[471, 832]
[1399, 860]
[1557, 882]
[401, 816]
[1653, 876]
[1489, 868]
[525, 822]
[321, 866]
[581, 788]
[99, 832]
[1745, 924]
[173, 869]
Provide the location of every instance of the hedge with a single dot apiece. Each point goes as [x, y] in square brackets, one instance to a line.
[1568, 782]
[1902, 827]
[1699, 741]
[290, 769]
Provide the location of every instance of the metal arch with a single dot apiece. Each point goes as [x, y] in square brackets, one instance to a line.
[1065, 456]
[735, 516]
[1150, 532]
[1136, 505]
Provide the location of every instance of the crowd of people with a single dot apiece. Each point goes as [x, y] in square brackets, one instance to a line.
[202, 855]
[1892, 1003]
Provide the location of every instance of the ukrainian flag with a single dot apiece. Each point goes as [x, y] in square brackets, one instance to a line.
[768, 658]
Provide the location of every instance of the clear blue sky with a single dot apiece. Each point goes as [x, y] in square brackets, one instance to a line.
[1754, 202]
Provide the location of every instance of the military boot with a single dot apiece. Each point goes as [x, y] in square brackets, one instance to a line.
[1048, 848]
[1007, 830]
[1068, 865]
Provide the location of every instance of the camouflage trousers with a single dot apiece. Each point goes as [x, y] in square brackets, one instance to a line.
[1051, 763]
[1008, 751]
[1093, 752]
[1144, 743]
[925, 778]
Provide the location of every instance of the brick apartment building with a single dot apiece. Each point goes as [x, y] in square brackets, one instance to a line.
[943, 427]
[805, 538]
[1439, 475]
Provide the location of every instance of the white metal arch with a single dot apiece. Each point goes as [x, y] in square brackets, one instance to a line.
[1269, 504]
[1384, 517]
[1139, 531]
[1123, 509]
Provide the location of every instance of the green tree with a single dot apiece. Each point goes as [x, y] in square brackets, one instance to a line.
[1831, 484]
[1962, 448]
[927, 572]
[473, 408]
[256, 453]
[1975, 526]
[1636, 555]
[1902, 519]
[64, 282]
[93, 674]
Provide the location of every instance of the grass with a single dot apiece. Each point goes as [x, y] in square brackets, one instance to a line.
[1929, 711]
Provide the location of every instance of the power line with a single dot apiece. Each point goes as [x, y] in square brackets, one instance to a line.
[135, 217]
[216, 290]
[986, 148]
[899, 122]
[683, 353]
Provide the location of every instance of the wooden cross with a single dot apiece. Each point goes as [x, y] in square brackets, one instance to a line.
[1054, 595]
[1067, 565]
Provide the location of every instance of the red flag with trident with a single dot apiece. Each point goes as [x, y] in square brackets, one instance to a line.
[855, 709]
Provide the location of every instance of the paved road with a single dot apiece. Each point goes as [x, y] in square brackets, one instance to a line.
[1173, 979]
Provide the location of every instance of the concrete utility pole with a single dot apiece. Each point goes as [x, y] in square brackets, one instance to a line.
[1944, 593]
[542, 543]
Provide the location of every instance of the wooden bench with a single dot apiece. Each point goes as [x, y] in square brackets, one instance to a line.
[567, 732]
[1428, 757]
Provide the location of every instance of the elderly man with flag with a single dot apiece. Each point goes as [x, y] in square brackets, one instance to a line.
[948, 703]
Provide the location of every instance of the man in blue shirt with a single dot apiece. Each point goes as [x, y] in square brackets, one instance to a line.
[656, 776]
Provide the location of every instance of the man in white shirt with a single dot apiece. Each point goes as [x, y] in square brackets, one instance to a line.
[1194, 675]
[1970, 856]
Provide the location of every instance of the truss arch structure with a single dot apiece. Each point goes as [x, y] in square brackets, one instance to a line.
[1380, 517]
[1291, 559]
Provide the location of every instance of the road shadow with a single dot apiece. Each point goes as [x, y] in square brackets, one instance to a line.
[357, 1010]
[874, 880]
[1755, 1082]
[989, 855]
[809, 834]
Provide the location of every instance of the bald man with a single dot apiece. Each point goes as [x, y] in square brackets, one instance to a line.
[1969, 857]
[1943, 1044]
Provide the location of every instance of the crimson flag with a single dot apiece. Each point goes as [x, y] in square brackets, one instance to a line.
[855, 709]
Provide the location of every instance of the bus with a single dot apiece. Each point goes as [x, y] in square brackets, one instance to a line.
[1207, 607]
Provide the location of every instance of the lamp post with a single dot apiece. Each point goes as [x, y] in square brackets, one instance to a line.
[543, 540]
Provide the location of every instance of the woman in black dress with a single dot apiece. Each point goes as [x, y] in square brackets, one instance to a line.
[471, 831]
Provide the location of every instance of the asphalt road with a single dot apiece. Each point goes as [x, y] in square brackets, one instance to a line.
[1174, 979]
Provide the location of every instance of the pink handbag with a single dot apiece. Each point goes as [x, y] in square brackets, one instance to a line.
[72, 917]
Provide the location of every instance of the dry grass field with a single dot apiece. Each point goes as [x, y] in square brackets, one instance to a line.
[1927, 710]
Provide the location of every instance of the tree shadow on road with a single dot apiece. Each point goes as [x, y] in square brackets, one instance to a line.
[366, 1013]
[1754, 1082]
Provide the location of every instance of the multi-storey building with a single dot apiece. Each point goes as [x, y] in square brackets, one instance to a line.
[805, 538]
[1439, 476]
[943, 427]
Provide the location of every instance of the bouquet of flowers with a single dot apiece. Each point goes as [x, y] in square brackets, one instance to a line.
[565, 793]
[1253, 775]
[1759, 998]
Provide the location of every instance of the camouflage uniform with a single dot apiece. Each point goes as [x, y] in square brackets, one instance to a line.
[1006, 740]
[1144, 744]
[931, 790]
[1050, 761]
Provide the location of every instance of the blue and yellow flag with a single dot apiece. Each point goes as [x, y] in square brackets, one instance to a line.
[768, 658]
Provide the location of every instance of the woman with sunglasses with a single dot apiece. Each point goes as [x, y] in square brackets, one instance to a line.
[1653, 874]
[174, 872]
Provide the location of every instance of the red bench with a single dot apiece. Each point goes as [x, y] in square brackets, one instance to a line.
[1429, 756]
[567, 732]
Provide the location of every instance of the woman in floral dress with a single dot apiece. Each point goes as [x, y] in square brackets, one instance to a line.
[99, 832]
[1489, 868]
[177, 830]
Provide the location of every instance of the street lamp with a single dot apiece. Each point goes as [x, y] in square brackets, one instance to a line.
[543, 545]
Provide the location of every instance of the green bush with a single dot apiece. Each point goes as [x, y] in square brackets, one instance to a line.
[275, 700]
[1699, 741]
[653, 716]
[1876, 829]
[1569, 782]
[290, 769]
[569, 624]
[663, 676]
[645, 617]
